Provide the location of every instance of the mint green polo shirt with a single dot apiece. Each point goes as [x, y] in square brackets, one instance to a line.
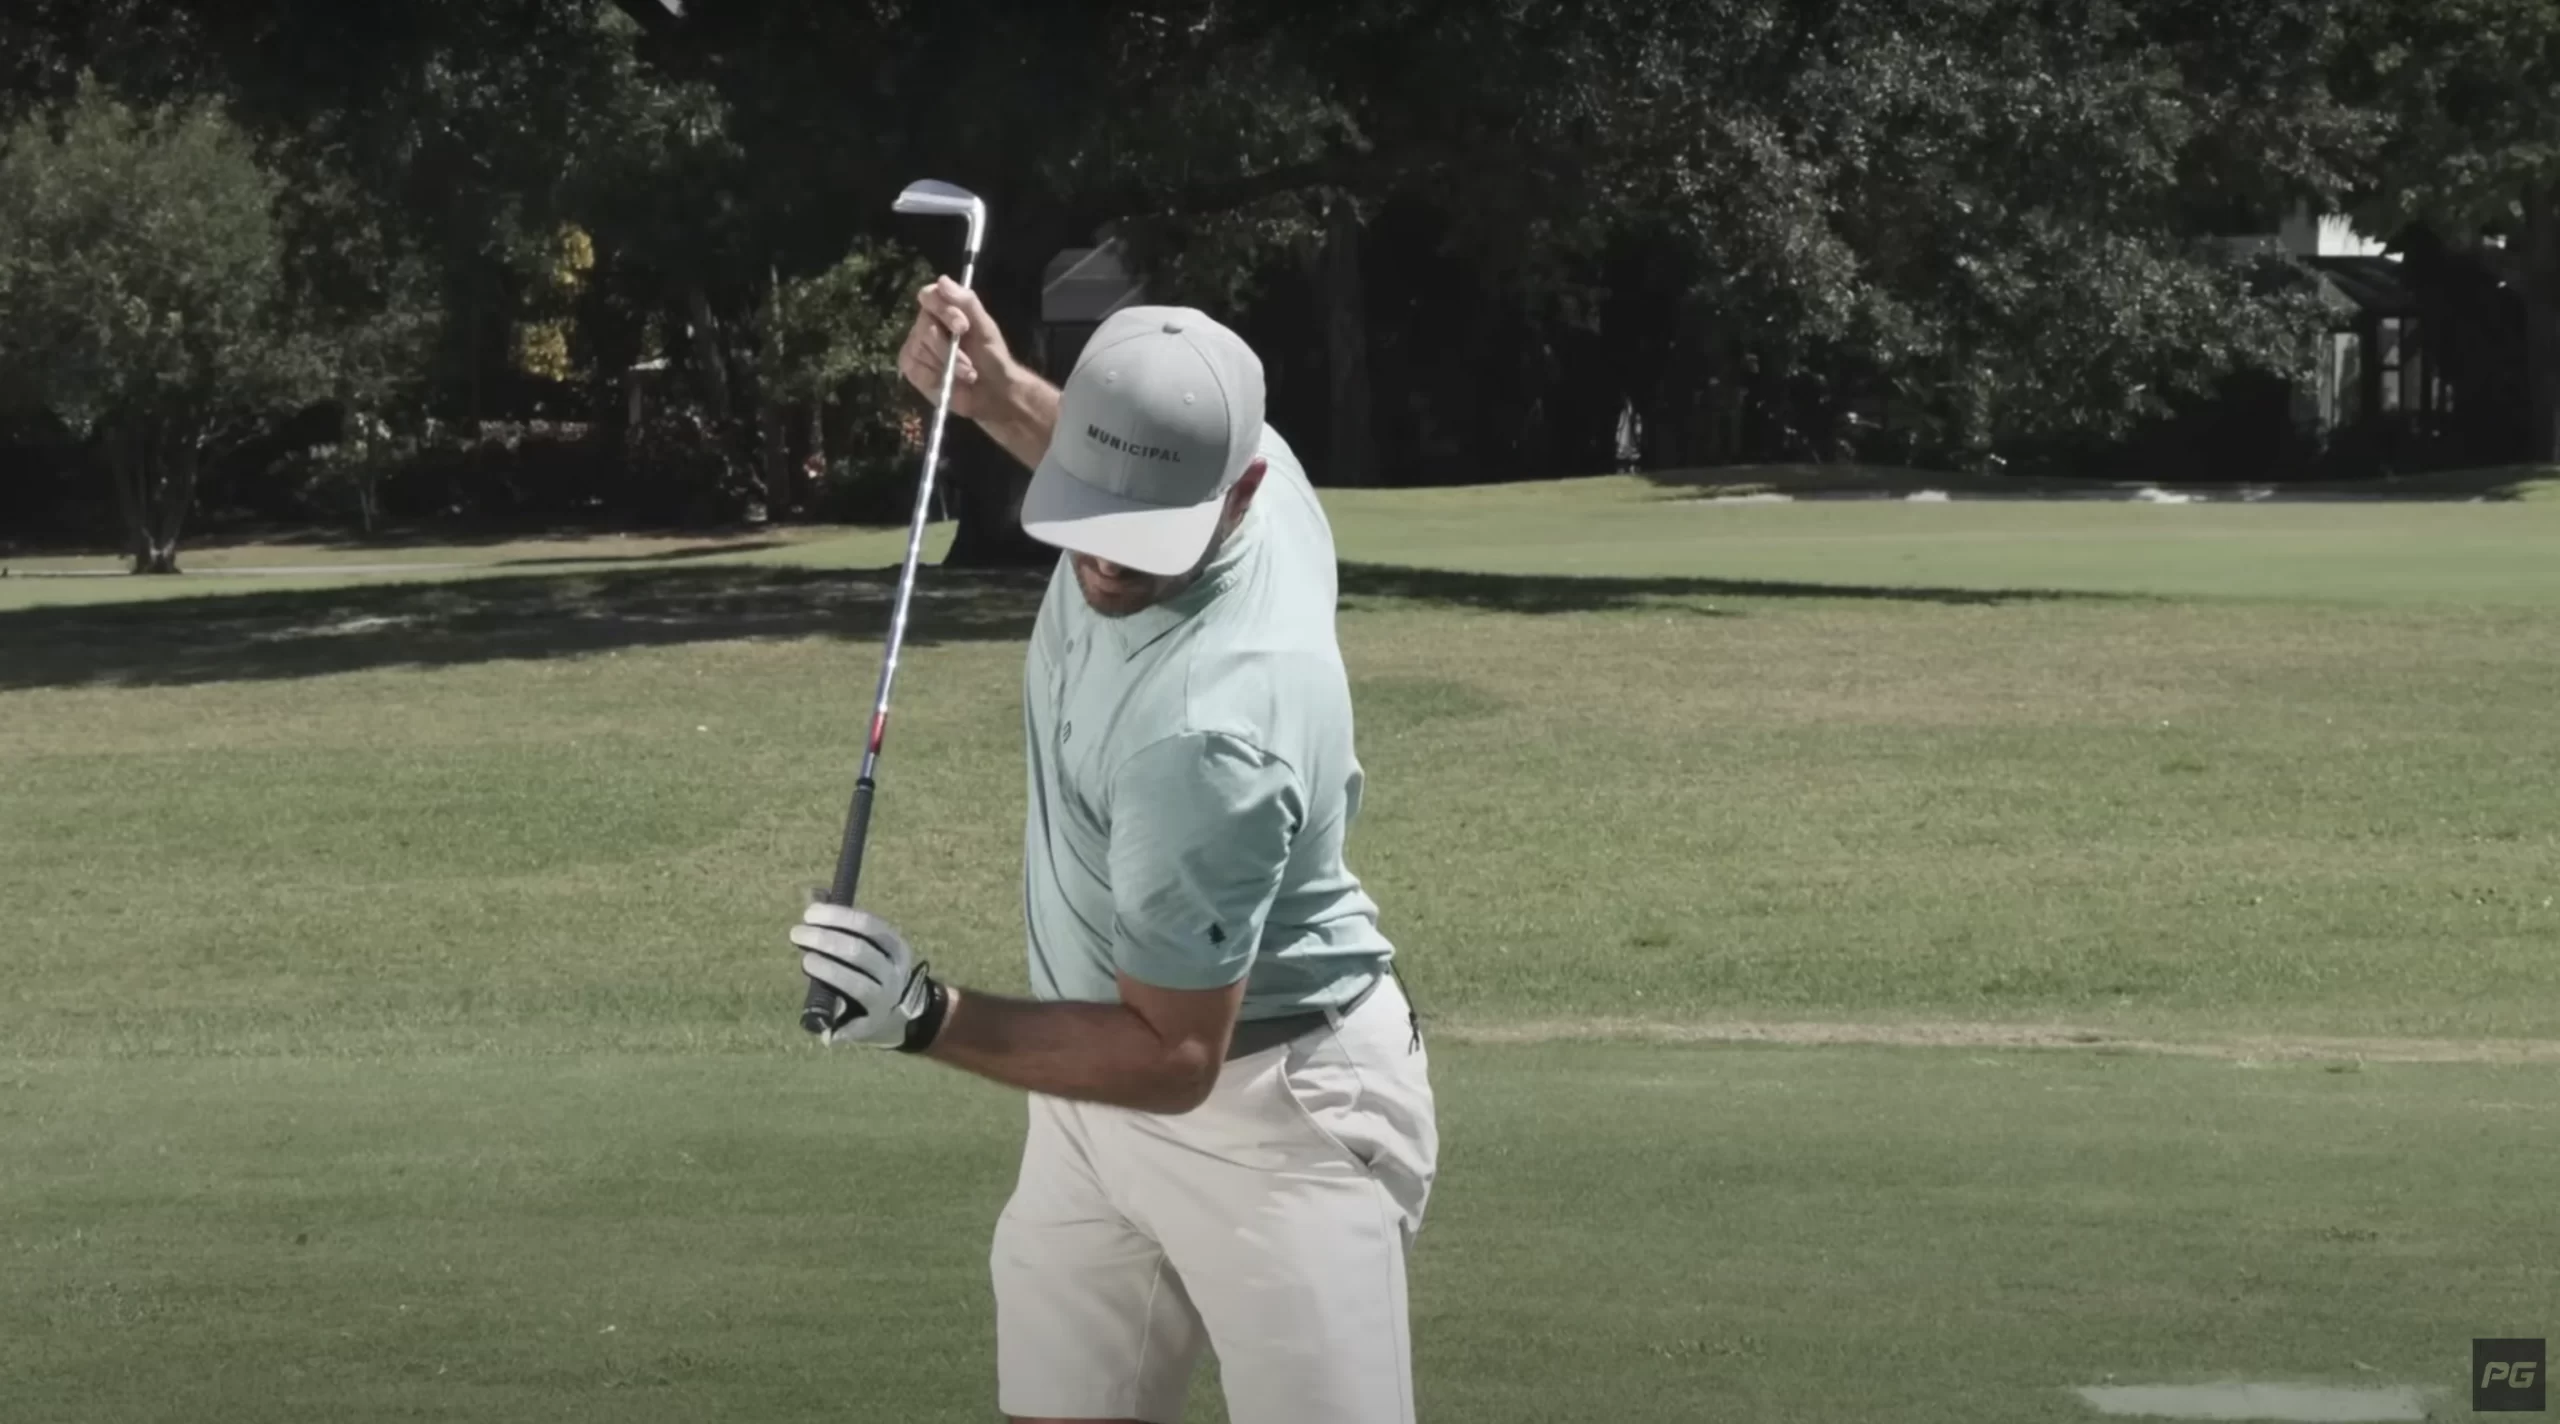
[1192, 778]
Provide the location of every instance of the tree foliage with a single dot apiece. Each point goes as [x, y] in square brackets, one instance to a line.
[1983, 210]
[1463, 236]
[2468, 94]
[142, 297]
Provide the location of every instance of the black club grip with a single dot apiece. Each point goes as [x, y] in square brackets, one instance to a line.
[826, 1009]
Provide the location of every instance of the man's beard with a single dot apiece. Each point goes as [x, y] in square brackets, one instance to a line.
[1133, 592]
[1129, 593]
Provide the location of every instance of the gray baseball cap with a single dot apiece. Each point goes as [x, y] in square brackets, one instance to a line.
[1160, 417]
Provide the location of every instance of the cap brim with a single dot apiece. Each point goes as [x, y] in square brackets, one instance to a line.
[1064, 511]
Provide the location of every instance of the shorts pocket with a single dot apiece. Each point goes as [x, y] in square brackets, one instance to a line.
[1324, 1088]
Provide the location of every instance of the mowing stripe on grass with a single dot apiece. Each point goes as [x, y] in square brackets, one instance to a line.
[1948, 1034]
[2310, 1404]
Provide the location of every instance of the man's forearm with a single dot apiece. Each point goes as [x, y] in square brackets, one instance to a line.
[1092, 1052]
[1028, 417]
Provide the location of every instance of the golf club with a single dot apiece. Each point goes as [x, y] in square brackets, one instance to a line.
[826, 1010]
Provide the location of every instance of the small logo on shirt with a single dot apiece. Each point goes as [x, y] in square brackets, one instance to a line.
[1217, 934]
[1066, 731]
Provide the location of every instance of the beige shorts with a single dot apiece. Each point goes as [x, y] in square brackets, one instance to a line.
[1270, 1224]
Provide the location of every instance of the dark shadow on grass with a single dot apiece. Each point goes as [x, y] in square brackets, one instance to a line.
[670, 556]
[478, 534]
[1824, 482]
[485, 533]
[253, 636]
[313, 632]
[1563, 593]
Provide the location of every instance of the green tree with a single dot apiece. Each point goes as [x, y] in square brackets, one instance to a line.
[1991, 209]
[1752, 215]
[143, 300]
[832, 338]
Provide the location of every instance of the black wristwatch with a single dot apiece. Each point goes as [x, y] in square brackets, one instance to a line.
[927, 1023]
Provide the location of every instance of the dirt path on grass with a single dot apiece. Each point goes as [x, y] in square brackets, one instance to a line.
[2261, 1048]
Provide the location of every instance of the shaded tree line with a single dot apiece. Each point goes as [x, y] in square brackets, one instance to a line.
[633, 260]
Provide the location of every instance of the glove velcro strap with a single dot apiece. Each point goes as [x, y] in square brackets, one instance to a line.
[926, 1021]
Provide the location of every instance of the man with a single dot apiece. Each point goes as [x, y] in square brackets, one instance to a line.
[1232, 1134]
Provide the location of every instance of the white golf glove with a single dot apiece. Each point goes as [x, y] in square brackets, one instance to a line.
[896, 1004]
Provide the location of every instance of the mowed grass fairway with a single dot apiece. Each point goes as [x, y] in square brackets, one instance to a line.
[1882, 961]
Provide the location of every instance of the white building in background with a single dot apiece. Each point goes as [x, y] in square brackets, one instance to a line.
[2327, 235]
[2372, 364]
[1079, 290]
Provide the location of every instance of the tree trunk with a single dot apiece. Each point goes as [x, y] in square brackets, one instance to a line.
[177, 496]
[801, 477]
[774, 437]
[1354, 446]
[2542, 319]
[125, 474]
[710, 366]
[471, 364]
[154, 487]
[986, 489]
[1725, 409]
[777, 477]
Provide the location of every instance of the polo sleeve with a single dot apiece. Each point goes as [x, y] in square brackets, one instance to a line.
[1201, 828]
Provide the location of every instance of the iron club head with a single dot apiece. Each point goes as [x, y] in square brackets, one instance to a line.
[932, 198]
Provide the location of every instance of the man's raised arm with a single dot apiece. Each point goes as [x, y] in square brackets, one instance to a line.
[1007, 399]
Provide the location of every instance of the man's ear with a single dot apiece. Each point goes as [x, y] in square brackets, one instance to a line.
[1240, 495]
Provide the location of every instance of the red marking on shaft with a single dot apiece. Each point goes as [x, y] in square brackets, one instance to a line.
[879, 729]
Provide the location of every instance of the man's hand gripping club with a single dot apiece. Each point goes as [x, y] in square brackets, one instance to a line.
[896, 1002]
